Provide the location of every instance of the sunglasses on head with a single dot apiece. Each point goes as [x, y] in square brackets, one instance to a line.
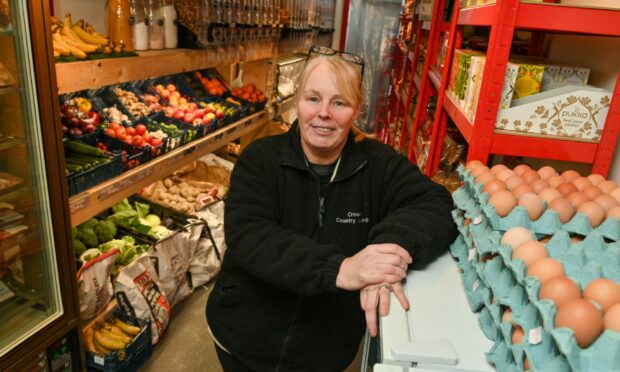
[327, 51]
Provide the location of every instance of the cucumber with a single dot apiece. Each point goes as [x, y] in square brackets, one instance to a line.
[85, 164]
[84, 149]
[91, 159]
[74, 168]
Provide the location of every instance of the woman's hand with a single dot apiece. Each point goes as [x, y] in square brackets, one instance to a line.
[377, 263]
[378, 295]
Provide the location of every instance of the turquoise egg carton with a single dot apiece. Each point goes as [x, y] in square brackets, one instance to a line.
[460, 252]
[476, 291]
[487, 324]
[602, 355]
[501, 357]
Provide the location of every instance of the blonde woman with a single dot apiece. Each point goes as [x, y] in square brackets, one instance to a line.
[319, 221]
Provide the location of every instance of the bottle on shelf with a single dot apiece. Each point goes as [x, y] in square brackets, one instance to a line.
[139, 25]
[156, 24]
[170, 24]
[119, 28]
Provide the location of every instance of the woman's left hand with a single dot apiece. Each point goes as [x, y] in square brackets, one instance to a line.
[378, 296]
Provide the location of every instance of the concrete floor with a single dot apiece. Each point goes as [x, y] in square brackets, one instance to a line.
[187, 345]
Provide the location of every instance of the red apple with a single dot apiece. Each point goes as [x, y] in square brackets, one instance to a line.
[178, 114]
[169, 110]
[164, 93]
[199, 113]
[219, 114]
[171, 87]
[198, 121]
[189, 117]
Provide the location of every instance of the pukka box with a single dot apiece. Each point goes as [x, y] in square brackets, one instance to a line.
[573, 111]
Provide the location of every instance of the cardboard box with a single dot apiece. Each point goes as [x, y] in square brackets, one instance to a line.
[573, 111]
[476, 72]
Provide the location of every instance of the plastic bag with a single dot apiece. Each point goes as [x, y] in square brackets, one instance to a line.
[171, 265]
[139, 294]
[94, 284]
[207, 259]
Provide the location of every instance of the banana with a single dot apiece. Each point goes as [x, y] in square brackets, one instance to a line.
[60, 41]
[56, 53]
[79, 23]
[118, 48]
[107, 342]
[100, 349]
[124, 339]
[107, 49]
[89, 28]
[118, 331]
[89, 38]
[88, 340]
[127, 328]
[86, 48]
[61, 49]
[55, 20]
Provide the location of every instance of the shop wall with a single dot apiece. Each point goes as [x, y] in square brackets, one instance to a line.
[602, 55]
[92, 11]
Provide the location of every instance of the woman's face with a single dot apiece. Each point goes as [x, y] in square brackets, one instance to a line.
[324, 116]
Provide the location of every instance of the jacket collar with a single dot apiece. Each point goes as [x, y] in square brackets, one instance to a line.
[353, 158]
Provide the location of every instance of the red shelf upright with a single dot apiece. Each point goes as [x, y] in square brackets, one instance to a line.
[503, 17]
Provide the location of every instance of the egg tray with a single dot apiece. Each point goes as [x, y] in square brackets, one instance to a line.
[547, 348]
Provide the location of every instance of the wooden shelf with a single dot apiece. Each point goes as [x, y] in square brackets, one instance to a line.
[103, 196]
[76, 76]
[548, 17]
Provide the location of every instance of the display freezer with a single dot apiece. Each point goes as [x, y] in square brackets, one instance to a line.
[38, 304]
[439, 332]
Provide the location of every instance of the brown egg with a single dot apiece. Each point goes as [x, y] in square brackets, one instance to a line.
[563, 208]
[559, 290]
[507, 315]
[521, 169]
[505, 174]
[494, 186]
[473, 164]
[496, 169]
[612, 318]
[516, 236]
[596, 178]
[526, 363]
[605, 292]
[607, 186]
[546, 239]
[484, 177]
[574, 239]
[616, 194]
[532, 204]
[530, 176]
[555, 181]
[478, 170]
[614, 213]
[566, 188]
[503, 201]
[583, 318]
[606, 201]
[545, 269]
[592, 192]
[522, 189]
[539, 185]
[594, 212]
[546, 172]
[577, 198]
[514, 181]
[570, 175]
[582, 183]
[530, 252]
[549, 194]
[517, 334]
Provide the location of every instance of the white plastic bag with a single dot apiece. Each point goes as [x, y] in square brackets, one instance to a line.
[139, 294]
[94, 283]
[172, 265]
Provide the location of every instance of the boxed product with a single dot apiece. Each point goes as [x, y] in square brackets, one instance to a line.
[476, 70]
[613, 4]
[521, 80]
[465, 73]
[425, 9]
[575, 111]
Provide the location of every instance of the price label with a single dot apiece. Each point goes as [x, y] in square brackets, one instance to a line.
[475, 286]
[79, 204]
[471, 254]
[477, 220]
[535, 336]
[117, 186]
[99, 360]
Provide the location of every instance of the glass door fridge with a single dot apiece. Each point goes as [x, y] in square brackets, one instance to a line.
[39, 327]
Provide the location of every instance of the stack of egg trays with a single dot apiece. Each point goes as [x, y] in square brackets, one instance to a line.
[547, 224]
[547, 348]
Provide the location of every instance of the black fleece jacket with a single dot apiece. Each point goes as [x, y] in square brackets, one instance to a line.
[275, 304]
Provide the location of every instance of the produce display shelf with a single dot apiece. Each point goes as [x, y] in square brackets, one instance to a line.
[548, 17]
[435, 77]
[76, 76]
[103, 196]
[10, 142]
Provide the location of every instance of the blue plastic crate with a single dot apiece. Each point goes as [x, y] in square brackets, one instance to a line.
[82, 181]
[131, 156]
[134, 355]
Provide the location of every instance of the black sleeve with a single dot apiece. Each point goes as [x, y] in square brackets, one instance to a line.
[416, 210]
[256, 240]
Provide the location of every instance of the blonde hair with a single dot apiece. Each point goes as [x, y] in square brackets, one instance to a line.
[348, 81]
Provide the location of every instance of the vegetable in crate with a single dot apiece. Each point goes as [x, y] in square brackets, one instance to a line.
[77, 117]
[212, 86]
[250, 93]
[132, 103]
[105, 230]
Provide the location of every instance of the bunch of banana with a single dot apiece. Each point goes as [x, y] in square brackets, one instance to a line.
[113, 335]
[79, 39]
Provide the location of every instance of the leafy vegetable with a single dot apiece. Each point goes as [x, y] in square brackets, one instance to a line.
[142, 209]
[89, 254]
[153, 220]
[121, 206]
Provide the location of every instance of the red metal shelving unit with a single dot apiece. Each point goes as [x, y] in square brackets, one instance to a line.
[503, 17]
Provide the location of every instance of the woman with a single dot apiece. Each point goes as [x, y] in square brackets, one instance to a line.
[317, 223]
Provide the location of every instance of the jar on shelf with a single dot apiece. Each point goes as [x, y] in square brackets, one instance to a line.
[155, 17]
[170, 24]
[119, 28]
[139, 25]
